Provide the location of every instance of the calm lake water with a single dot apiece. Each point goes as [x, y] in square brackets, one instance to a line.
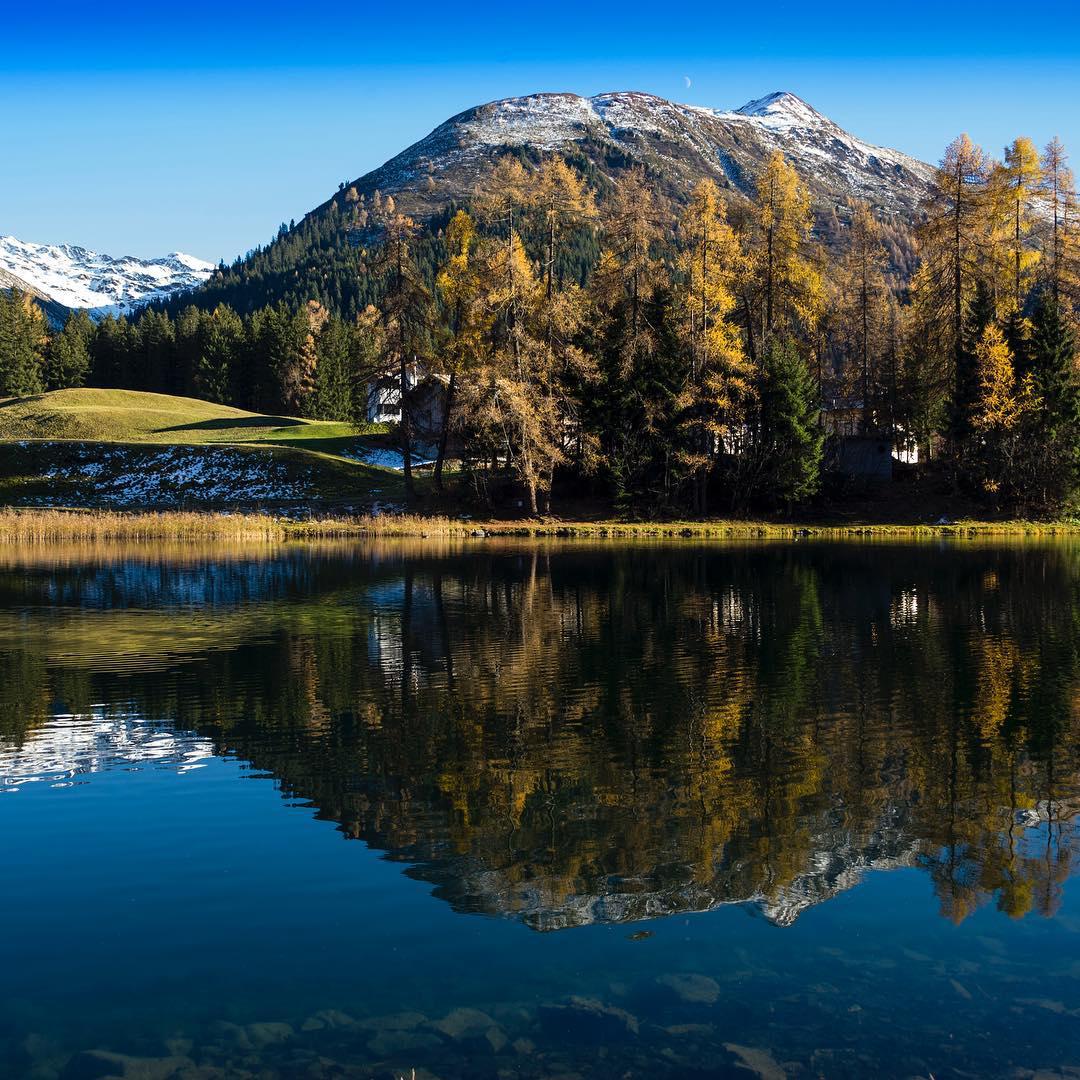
[503, 809]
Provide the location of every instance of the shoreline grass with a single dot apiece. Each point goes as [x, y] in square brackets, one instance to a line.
[43, 525]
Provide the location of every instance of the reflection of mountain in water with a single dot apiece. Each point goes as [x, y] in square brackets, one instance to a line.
[68, 748]
[588, 734]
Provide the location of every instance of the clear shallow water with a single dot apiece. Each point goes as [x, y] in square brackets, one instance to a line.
[510, 810]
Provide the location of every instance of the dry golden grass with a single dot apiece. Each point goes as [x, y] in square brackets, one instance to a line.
[35, 526]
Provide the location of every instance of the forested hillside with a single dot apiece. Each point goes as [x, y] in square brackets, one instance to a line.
[670, 354]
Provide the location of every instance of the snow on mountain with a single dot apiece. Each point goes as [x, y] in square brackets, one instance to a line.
[680, 144]
[78, 278]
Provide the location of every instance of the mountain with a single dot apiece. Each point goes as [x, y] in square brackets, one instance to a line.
[601, 136]
[678, 144]
[63, 276]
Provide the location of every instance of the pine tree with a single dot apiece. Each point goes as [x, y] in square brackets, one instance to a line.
[67, 361]
[22, 345]
[333, 385]
[1056, 431]
[220, 343]
[791, 441]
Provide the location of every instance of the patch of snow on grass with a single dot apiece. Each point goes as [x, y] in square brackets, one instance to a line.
[119, 476]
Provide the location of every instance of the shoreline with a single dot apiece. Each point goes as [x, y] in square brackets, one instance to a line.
[48, 524]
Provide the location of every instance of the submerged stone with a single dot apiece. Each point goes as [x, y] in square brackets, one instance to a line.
[399, 1021]
[589, 1019]
[102, 1064]
[695, 989]
[268, 1033]
[389, 1043]
[464, 1023]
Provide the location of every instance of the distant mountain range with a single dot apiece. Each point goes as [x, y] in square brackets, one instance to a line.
[63, 277]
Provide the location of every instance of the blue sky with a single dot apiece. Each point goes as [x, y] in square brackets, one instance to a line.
[202, 127]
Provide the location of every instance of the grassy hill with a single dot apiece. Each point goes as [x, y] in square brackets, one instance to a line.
[123, 447]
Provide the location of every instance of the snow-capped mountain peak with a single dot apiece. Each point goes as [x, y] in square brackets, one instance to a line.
[679, 144]
[784, 109]
[79, 278]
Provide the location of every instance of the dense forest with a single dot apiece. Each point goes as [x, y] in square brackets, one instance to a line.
[690, 357]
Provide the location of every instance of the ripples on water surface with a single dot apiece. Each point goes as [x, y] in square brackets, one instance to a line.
[644, 811]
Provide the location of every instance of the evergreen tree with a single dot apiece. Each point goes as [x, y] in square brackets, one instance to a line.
[67, 361]
[220, 344]
[333, 385]
[791, 441]
[22, 345]
[1056, 428]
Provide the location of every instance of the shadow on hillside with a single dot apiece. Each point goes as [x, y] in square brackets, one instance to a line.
[236, 422]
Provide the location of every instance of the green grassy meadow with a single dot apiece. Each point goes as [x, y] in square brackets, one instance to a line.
[88, 447]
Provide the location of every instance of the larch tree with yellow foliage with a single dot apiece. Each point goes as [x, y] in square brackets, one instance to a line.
[469, 320]
[951, 239]
[719, 382]
[789, 287]
[863, 306]
[1004, 403]
[1014, 189]
[1061, 246]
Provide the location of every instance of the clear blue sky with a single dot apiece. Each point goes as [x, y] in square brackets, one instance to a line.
[140, 129]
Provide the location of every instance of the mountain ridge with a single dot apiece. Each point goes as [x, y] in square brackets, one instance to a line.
[677, 142]
[68, 276]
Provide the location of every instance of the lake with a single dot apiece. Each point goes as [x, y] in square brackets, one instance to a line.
[525, 809]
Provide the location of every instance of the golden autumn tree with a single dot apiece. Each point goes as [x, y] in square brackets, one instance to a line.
[1014, 187]
[719, 380]
[406, 314]
[1061, 245]
[788, 286]
[461, 287]
[863, 296]
[563, 202]
[1003, 403]
[517, 399]
[950, 241]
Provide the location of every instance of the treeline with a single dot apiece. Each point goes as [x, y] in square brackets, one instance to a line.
[689, 358]
[297, 361]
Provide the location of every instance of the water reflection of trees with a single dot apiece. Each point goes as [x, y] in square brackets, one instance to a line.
[576, 734]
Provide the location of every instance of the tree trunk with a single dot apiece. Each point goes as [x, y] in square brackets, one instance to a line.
[406, 425]
[444, 434]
